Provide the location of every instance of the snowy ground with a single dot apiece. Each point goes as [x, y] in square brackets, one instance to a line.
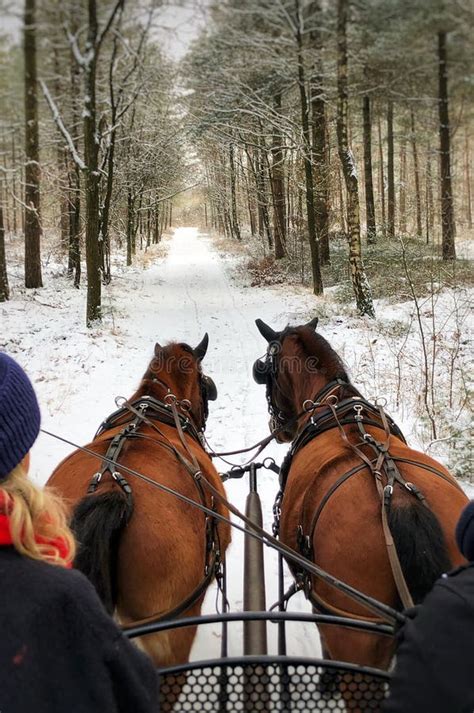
[179, 298]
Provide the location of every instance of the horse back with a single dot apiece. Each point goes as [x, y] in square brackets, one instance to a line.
[342, 515]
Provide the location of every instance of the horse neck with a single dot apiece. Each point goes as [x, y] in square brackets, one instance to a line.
[308, 386]
[162, 386]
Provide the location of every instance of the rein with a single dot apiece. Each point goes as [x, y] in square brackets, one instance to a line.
[386, 612]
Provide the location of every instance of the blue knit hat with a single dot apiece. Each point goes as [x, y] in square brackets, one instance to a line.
[19, 415]
[465, 532]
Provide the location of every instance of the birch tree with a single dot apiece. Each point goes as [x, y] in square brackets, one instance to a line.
[360, 283]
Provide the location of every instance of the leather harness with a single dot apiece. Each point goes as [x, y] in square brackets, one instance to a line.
[354, 410]
[150, 411]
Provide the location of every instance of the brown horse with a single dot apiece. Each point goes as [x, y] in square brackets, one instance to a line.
[145, 551]
[352, 483]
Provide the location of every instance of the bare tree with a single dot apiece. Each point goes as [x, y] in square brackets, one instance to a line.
[4, 289]
[448, 226]
[33, 276]
[360, 283]
[369, 182]
[314, 239]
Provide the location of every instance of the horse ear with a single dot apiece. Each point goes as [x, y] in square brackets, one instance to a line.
[313, 323]
[158, 349]
[267, 332]
[201, 349]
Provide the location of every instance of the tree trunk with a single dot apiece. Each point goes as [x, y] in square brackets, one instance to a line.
[320, 157]
[416, 169]
[32, 167]
[92, 176]
[402, 211]
[314, 242]
[62, 165]
[130, 226]
[278, 185]
[390, 172]
[468, 181]
[14, 182]
[369, 182]
[360, 283]
[249, 194]
[429, 197]
[448, 226]
[233, 196]
[74, 180]
[342, 209]
[263, 211]
[382, 180]
[156, 225]
[4, 289]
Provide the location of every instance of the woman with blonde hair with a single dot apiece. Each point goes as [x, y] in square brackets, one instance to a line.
[59, 650]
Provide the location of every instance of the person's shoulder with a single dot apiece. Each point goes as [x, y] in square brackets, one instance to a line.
[44, 576]
[49, 587]
[456, 584]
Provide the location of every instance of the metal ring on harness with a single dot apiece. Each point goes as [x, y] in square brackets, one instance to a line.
[170, 399]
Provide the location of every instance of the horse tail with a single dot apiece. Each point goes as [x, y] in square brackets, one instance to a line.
[97, 523]
[421, 546]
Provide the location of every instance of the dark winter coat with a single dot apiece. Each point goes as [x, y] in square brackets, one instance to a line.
[59, 650]
[435, 660]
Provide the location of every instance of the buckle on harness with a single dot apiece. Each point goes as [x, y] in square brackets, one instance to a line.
[120, 480]
[387, 494]
[94, 483]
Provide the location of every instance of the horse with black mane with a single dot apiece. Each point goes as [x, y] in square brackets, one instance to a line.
[355, 498]
[148, 553]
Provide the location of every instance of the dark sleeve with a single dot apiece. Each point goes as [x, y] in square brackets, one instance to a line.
[435, 660]
[134, 678]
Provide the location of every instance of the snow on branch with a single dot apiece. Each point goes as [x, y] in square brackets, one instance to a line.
[72, 39]
[60, 124]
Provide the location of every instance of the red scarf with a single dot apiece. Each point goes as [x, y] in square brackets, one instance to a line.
[6, 538]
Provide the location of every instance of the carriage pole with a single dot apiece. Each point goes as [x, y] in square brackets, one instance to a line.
[255, 632]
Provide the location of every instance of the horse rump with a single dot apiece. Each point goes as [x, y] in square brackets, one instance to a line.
[421, 546]
[97, 523]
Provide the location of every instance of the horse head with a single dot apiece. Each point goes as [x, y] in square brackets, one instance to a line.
[176, 369]
[298, 364]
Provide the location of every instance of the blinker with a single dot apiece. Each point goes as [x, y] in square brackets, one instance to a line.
[260, 371]
[211, 388]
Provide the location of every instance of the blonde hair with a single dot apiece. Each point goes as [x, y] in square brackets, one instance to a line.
[36, 513]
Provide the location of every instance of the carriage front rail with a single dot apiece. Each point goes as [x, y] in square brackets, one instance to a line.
[269, 683]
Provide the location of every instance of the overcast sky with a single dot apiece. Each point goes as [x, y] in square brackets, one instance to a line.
[176, 26]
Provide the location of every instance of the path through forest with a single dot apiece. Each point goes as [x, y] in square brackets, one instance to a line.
[197, 295]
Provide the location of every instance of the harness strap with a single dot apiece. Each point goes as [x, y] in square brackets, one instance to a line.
[384, 494]
[213, 560]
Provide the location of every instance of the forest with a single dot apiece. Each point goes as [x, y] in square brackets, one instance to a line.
[327, 143]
